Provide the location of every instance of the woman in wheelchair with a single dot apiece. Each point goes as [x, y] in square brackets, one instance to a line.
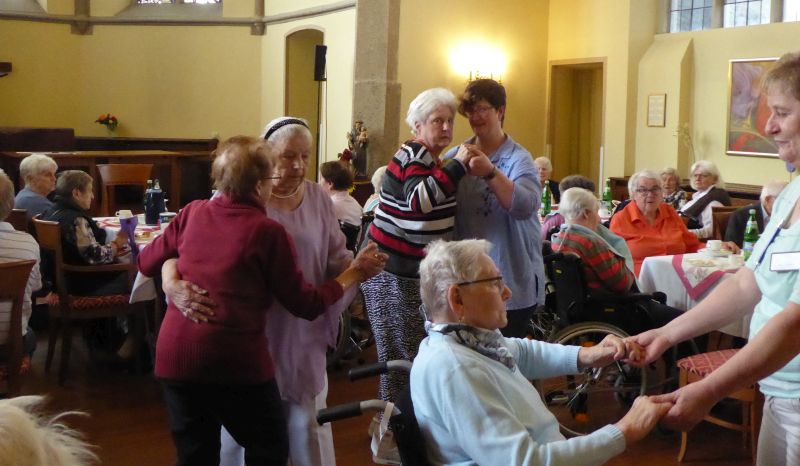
[469, 384]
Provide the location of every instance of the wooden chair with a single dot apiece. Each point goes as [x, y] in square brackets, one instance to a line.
[13, 280]
[719, 220]
[64, 307]
[18, 218]
[694, 368]
[113, 175]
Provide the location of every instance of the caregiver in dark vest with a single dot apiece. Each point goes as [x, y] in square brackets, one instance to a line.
[710, 192]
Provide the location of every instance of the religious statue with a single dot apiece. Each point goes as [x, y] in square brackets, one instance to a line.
[357, 142]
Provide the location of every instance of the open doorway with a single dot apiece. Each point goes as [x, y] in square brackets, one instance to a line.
[301, 90]
[575, 121]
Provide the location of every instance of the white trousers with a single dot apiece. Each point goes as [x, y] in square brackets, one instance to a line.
[779, 438]
[309, 443]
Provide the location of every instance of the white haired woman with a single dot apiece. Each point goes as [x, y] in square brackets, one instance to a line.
[39, 173]
[417, 205]
[469, 384]
[649, 226]
[710, 192]
[671, 183]
[545, 169]
[377, 183]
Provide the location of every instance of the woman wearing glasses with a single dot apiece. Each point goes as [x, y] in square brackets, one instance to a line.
[650, 227]
[710, 193]
[472, 397]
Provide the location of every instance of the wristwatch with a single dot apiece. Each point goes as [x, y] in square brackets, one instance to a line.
[491, 174]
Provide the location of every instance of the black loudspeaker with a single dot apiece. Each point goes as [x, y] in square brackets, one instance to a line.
[319, 62]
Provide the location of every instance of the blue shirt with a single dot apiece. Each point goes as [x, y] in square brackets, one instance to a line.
[515, 233]
[34, 203]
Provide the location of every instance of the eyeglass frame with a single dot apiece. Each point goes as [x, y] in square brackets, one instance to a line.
[644, 191]
[479, 110]
[501, 284]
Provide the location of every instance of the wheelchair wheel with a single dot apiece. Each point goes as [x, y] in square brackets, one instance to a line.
[587, 401]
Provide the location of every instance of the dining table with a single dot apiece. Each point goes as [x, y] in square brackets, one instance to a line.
[687, 279]
[144, 288]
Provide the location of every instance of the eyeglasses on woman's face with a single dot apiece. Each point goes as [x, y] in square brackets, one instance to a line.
[479, 110]
[642, 191]
[496, 281]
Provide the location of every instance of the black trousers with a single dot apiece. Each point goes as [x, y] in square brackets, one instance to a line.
[253, 415]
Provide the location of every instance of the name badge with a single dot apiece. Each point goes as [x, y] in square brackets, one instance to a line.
[784, 261]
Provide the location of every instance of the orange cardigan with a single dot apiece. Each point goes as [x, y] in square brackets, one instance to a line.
[668, 236]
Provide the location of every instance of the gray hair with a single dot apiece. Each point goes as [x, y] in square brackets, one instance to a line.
[284, 133]
[669, 171]
[426, 102]
[35, 164]
[576, 201]
[6, 195]
[709, 167]
[772, 188]
[544, 161]
[377, 178]
[445, 264]
[634, 180]
[69, 180]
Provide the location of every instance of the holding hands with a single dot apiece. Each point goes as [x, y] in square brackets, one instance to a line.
[611, 349]
[370, 261]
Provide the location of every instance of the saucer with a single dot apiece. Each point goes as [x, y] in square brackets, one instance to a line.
[720, 253]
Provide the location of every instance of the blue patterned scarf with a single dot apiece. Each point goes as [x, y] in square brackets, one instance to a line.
[486, 342]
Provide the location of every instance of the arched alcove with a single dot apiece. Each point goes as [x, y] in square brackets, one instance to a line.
[301, 90]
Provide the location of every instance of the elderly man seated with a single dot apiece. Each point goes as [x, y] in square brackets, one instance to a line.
[469, 384]
[738, 220]
[17, 246]
[39, 173]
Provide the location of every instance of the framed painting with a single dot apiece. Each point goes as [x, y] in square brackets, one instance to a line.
[747, 109]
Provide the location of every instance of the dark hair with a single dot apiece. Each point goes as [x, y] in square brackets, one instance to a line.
[240, 163]
[68, 180]
[785, 74]
[337, 174]
[482, 89]
[576, 181]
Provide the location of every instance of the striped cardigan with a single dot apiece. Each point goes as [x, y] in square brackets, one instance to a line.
[604, 269]
[417, 205]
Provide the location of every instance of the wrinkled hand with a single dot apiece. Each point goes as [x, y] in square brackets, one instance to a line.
[653, 343]
[464, 153]
[369, 261]
[642, 417]
[480, 165]
[731, 246]
[190, 299]
[611, 349]
[688, 405]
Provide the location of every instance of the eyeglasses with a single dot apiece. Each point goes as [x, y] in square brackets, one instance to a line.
[479, 110]
[645, 191]
[700, 175]
[498, 282]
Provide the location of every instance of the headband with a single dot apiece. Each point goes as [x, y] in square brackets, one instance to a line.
[281, 124]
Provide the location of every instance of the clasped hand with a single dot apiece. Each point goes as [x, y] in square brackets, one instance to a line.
[611, 349]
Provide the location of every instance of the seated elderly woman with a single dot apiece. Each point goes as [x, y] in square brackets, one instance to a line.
[39, 173]
[469, 384]
[337, 180]
[606, 267]
[671, 183]
[710, 188]
[545, 168]
[554, 219]
[650, 227]
[377, 184]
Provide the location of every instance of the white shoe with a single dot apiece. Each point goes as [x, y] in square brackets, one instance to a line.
[374, 424]
[384, 451]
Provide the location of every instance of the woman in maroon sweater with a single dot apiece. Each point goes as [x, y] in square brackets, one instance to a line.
[220, 372]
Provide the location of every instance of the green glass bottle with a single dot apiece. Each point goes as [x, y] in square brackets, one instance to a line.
[546, 203]
[751, 235]
[606, 199]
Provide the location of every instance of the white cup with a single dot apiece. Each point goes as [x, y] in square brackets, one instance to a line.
[140, 220]
[736, 260]
[123, 214]
[714, 245]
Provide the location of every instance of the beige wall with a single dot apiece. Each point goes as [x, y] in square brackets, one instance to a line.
[708, 99]
[519, 28]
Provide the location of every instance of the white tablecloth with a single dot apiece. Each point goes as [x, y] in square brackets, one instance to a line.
[658, 274]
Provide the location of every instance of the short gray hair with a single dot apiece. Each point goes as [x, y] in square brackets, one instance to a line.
[772, 188]
[286, 132]
[6, 195]
[669, 171]
[35, 164]
[576, 201]
[426, 102]
[646, 174]
[707, 166]
[543, 161]
[377, 178]
[445, 264]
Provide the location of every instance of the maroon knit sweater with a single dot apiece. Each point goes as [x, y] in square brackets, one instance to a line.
[244, 260]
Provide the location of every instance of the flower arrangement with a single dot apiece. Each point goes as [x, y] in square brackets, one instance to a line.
[108, 120]
[684, 134]
[346, 156]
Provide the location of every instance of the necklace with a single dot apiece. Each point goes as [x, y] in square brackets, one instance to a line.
[287, 196]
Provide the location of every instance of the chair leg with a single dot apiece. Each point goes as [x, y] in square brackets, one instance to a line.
[66, 347]
[54, 328]
[683, 379]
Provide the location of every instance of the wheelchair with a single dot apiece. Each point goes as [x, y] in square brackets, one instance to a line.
[575, 315]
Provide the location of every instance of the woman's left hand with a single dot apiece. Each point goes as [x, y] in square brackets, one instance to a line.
[370, 261]
[611, 349]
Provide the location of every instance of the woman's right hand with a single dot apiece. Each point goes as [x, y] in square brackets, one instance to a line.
[191, 300]
[370, 261]
[653, 343]
[641, 418]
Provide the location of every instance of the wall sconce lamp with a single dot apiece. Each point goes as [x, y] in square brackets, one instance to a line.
[478, 61]
[5, 68]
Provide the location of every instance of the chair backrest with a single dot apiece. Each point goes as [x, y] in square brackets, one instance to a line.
[566, 274]
[117, 174]
[351, 233]
[366, 221]
[719, 220]
[48, 234]
[18, 218]
[13, 281]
